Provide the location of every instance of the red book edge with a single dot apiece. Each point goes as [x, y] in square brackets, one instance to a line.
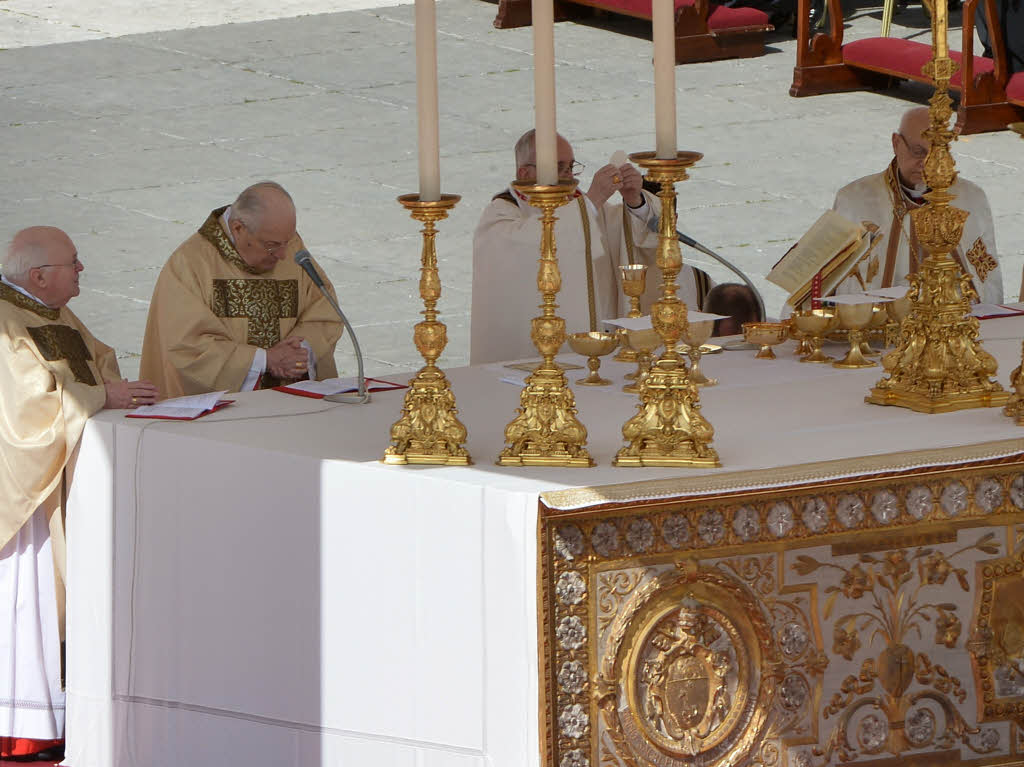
[222, 404]
[387, 386]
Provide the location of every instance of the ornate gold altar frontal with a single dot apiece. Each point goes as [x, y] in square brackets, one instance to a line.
[545, 430]
[876, 620]
[939, 364]
[668, 428]
[428, 431]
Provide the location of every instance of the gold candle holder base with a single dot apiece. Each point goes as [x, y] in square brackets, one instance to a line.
[428, 431]
[668, 429]
[546, 431]
[939, 365]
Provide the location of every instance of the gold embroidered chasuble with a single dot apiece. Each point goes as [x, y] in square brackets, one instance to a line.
[881, 199]
[211, 311]
[51, 380]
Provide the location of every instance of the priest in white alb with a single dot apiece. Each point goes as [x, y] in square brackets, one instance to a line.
[232, 310]
[53, 375]
[588, 238]
[886, 199]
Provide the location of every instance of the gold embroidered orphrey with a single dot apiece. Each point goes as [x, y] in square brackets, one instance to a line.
[62, 342]
[815, 625]
[264, 302]
[12, 296]
[981, 259]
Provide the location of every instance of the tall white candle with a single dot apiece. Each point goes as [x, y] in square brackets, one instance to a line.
[663, 22]
[426, 100]
[544, 90]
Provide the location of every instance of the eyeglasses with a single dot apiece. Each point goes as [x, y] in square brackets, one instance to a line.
[572, 168]
[271, 248]
[76, 263]
[917, 152]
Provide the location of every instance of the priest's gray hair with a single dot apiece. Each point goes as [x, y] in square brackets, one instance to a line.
[23, 254]
[253, 202]
[526, 149]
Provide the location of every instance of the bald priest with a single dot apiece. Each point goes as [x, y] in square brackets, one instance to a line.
[53, 376]
[233, 311]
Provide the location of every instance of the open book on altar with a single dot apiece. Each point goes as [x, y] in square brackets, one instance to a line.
[832, 248]
[183, 408]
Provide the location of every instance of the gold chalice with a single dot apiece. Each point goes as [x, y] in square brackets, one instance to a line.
[803, 341]
[593, 346]
[815, 325]
[696, 335]
[766, 335]
[876, 326]
[854, 318]
[643, 342]
[634, 283]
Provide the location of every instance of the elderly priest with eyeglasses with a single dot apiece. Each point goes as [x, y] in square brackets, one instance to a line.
[886, 199]
[233, 311]
[591, 234]
[53, 376]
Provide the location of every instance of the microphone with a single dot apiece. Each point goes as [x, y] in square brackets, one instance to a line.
[654, 224]
[305, 261]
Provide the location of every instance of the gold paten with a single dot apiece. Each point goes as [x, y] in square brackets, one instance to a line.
[428, 431]
[546, 431]
[940, 364]
[669, 429]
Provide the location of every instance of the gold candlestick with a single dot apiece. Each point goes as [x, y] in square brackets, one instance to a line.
[1015, 404]
[939, 364]
[545, 431]
[668, 429]
[428, 431]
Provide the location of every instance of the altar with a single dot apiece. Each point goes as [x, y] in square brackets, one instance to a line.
[256, 588]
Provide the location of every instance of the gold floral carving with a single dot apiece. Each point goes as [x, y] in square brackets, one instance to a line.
[63, 342]
[264, 302]
[891, 585]
[681, 631]
[997, 638]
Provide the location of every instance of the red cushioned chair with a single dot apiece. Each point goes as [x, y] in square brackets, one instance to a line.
[825, 65]
[705, 31]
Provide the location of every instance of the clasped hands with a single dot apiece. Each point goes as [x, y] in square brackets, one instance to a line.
[624, 179]
[288, 359]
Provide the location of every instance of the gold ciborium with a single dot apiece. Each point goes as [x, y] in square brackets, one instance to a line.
[696, 335]
[545, 430]
[816, 324]
[643, 343]
[428, 431]
[634, 284]
[593, 346]
[766, 335]
[853, 318]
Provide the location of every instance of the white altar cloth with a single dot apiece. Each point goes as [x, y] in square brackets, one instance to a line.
[256, 588]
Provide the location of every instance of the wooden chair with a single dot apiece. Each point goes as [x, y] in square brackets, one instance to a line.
[705, 31]
[825, 65]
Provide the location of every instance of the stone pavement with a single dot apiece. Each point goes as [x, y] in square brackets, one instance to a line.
[127, 137]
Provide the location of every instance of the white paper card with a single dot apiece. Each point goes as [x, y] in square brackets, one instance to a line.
[896, 291]
[855, 298]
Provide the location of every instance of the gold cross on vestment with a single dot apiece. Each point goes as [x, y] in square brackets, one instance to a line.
[61, 342]
[263, 302]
